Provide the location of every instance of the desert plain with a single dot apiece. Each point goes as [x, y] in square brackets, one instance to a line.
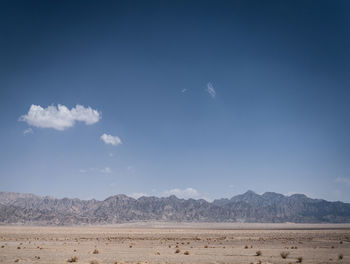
[176, 243]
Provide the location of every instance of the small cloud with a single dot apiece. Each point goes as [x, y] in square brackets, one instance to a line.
[183, 90]
[28, 131]
[109, 139]
[137, 195]
[210, 89]
[60, 117]
[106, 170]
[111, 154]
[343, 180]
[183, 193]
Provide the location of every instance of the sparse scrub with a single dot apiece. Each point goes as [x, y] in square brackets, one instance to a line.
[246, 246]
[284, 254]
[206, 246]
[299, 259]
[177, 251]
[73, 259]
[186, 253]
[258, 253]
[94, 262]
[95, 251]
[340, 256]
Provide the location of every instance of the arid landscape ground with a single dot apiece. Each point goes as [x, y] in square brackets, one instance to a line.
[177, 243]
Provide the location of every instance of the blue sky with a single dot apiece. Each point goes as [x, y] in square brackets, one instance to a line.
[202, 99]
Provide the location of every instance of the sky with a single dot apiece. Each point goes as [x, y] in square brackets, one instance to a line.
[200, 99]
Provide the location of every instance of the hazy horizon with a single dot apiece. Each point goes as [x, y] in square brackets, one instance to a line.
[167, 196]
[197, 99]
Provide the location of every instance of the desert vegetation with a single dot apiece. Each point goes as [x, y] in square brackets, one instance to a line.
[94, 245]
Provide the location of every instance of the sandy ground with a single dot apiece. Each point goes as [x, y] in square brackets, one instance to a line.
[158, 243]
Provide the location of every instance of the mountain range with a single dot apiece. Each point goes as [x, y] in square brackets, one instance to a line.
[270, 207]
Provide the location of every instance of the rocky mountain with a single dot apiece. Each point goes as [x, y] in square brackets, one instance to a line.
[17, 208]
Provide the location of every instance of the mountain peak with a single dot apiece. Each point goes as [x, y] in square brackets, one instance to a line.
[249, 207]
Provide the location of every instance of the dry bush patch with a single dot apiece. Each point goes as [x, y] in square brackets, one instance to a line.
[284, 254]
[177, 251]
[258, 253]
[186, 253]
[73, 259]
[95, 251]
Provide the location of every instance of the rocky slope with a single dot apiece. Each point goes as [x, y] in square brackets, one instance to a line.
[248, 207]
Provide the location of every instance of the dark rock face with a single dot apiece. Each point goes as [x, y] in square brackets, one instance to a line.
[248, 207]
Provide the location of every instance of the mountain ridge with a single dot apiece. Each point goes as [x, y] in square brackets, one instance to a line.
[270, 207]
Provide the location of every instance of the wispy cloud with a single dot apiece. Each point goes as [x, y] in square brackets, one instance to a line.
[183, 90]
[28, 131]
[60, 117]
[109, 139]
[137, 195]
[210, 89]
[183, 193]
[343, 180]
[106, 170]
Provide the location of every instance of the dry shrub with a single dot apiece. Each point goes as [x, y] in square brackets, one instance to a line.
[206, 246]
[16, 260]
[94, 262]
[73, 259]
[177, 251]
[95, 251]
[258, 253]
[186, 253]
[340, 256]
[300, 259]
[246, 246]
[284, 254]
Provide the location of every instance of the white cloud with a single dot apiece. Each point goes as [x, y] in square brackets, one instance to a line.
[109, 139]
[106, 170]
[210, 89]
[137, 195]
[28, 131]
[183, 193]
[183, 90]
[343, 180]
[60, 117]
